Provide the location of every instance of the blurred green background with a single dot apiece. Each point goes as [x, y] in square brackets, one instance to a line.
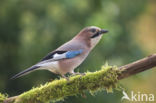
[29, 29]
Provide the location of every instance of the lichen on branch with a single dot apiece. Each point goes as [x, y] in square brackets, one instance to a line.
[57, 90]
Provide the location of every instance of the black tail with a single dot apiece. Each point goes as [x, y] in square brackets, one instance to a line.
[25, 72]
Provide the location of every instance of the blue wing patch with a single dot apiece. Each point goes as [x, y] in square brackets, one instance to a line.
[72, 54]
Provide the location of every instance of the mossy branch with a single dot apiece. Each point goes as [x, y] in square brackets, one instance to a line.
[59, 89]
[106, 78]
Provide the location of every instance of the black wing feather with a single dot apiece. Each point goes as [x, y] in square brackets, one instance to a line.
[51, 54]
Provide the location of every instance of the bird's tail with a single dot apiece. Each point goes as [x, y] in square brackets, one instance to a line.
[25, 72]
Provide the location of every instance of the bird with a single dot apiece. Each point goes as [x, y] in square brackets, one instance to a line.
[70, 55]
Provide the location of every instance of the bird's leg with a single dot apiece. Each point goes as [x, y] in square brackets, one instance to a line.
[65, 77]
[72, 72]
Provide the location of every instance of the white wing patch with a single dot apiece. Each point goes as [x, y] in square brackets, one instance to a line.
[59, 56]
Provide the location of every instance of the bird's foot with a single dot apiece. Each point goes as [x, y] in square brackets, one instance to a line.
[65, 77]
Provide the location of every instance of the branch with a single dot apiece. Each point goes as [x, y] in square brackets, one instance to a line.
[138, 66]
[106, 78]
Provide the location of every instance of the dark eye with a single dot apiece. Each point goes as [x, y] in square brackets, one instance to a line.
[93, 30]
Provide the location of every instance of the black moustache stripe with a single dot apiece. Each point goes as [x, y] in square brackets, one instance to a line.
[95, 35]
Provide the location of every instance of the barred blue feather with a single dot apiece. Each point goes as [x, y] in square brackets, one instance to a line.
[72, 54]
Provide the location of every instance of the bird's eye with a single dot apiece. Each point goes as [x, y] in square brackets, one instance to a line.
[93, 30]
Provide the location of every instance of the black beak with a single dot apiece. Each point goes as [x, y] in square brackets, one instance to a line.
[102, 31]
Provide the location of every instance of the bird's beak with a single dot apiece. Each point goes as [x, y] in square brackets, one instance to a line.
[102, 31]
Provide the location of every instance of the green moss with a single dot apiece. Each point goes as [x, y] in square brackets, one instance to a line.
[2, 97]
[57, 90]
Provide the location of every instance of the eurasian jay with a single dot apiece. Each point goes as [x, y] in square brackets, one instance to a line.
[70, 55]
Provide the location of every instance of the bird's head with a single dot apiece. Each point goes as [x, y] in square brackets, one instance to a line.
[92, 34]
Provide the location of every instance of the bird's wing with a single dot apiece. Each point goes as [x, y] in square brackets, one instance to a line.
[53, 56]
[58, 55]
